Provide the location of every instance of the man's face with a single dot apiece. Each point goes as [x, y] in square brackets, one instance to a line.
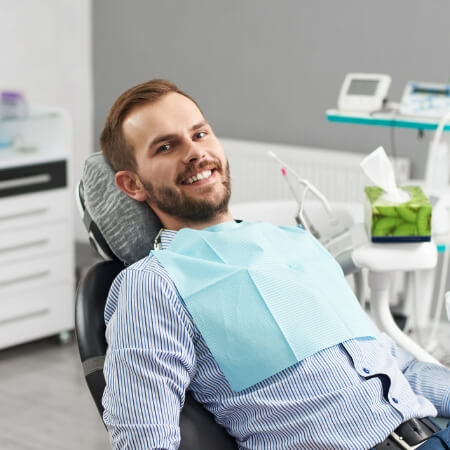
[180, 162]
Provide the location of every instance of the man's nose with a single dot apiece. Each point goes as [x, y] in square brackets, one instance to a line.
[194, 152]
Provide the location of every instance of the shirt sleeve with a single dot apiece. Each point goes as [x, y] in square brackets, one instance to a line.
[149, 362]
[426, 379]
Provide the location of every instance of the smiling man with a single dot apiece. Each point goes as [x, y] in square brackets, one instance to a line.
[256, 321]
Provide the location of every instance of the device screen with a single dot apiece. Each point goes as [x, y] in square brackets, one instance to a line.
[362, 87]
[430, 91]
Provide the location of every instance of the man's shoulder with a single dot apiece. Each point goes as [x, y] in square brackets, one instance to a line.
[149, 268]
[145, 279]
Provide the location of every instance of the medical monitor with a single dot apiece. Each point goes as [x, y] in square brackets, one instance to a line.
[363, 92]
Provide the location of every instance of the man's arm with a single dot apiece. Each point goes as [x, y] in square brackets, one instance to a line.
[149, 363]
[426, 379]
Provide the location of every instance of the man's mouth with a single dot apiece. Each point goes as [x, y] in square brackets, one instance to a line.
[203, 175]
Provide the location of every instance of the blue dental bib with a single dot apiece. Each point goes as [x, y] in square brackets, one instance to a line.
[263, 297]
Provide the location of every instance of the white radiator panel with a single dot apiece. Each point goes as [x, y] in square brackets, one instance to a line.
[256, 176]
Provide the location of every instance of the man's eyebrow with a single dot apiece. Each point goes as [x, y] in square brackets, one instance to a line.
[158, 139]
[199, 125]
[168, 137]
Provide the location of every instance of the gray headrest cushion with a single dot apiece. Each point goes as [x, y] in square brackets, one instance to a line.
[128, 226]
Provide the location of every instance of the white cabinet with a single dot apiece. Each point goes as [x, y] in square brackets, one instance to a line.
[36, 227]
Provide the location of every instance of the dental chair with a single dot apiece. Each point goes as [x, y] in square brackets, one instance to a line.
[199, 431]
[123, 231]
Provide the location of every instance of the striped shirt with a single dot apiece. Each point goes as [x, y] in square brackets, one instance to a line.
[350, 396]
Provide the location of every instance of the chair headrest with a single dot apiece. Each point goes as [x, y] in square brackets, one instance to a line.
[118, 226]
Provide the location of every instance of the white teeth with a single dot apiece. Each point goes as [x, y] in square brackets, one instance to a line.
[199, 176]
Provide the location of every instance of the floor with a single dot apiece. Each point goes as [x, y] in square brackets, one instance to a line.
[45, 404]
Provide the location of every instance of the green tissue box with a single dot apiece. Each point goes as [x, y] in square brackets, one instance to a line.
[402, 222]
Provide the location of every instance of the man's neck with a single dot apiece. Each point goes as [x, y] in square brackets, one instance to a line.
[173, 223]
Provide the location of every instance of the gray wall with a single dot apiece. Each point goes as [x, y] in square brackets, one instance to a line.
[268, 70]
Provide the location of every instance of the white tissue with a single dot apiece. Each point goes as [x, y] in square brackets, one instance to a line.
[379, 169]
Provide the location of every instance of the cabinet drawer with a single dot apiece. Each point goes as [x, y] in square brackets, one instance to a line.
[17, 306]
[33, 242]
[33, 178]
[35, 273]
[28, 210]
[33, 314]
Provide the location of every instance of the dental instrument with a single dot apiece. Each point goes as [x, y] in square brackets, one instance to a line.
[307, 186]
[301, 217]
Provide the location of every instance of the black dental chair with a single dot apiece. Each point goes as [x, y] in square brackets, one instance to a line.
[198, 429]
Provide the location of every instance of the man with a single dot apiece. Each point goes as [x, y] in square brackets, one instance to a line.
[348, 395]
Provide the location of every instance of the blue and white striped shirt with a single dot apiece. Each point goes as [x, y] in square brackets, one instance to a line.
[350, 396]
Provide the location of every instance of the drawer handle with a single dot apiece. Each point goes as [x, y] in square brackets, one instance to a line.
[24, 246]
[30, 315]
[25, 181]
[23, 214]
[32, 276]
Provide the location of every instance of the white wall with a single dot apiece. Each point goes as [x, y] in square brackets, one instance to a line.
[45, 51]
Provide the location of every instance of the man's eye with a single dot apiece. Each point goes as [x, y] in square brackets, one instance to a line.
[163, 148]
[200, 135]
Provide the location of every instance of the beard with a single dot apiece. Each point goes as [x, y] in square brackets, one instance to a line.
[195, 210]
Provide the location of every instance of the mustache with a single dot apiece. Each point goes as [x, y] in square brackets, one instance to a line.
[194, 167]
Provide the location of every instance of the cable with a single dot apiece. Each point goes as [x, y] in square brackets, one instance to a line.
[441, 297]
[447, 304]
[432, 164]
[394, 109]
[391, 134]
[437, 136]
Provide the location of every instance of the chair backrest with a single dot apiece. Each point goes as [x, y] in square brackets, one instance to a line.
[90, 325]
[199, 431]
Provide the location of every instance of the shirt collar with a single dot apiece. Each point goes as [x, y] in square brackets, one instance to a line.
[166, 238]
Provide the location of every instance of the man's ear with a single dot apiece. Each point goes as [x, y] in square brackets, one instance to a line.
[130, 183]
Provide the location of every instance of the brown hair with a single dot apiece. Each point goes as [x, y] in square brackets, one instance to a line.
[113, 143]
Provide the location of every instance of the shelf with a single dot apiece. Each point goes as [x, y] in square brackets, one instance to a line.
[384, 120]
[43, 135]
[36, 114]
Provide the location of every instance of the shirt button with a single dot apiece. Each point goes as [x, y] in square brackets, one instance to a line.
[365, 370]
[394, 400]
